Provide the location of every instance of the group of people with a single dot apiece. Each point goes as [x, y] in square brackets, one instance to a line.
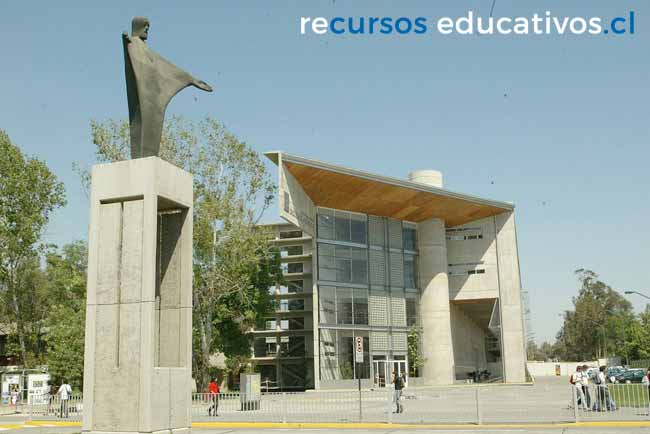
[603, 400]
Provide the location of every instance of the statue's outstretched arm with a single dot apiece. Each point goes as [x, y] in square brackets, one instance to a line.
[202, 85]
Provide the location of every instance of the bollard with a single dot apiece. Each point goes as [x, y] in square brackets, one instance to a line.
[479, 416]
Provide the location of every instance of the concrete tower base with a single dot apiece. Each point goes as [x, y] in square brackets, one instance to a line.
[137, 371]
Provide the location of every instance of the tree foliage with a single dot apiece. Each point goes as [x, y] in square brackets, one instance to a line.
[598, 324]
[232, 259]
[416, 359]
[66, 276]
[29, 192]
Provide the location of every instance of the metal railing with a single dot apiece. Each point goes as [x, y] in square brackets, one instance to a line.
[476, 404]
[611, 402]
[52, 406]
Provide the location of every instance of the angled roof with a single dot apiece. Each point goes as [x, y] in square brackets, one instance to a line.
[332, 186]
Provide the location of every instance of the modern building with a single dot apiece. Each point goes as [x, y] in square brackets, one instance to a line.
[377, 263]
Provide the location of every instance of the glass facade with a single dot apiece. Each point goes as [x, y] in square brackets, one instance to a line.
[367, 287]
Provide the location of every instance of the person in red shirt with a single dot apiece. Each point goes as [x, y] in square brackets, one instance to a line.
[213, 388]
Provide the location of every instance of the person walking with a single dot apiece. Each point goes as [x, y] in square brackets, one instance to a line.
[584, 382]
[576, 381]
[64, 392]
[213, 388]
[398, 383]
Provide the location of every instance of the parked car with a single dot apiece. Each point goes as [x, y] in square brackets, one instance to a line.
[614, 372]
[631, 376]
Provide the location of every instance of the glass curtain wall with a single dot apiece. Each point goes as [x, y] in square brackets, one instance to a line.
[368, 287]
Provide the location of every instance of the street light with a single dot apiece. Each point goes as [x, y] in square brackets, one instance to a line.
[637, 293]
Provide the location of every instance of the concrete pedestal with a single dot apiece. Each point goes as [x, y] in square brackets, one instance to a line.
[137, 372]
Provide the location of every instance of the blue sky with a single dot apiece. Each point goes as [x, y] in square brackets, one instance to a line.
[558, 125]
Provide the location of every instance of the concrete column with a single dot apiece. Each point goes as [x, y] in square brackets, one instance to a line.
[137, 372]
[512, 326]
[434, 304]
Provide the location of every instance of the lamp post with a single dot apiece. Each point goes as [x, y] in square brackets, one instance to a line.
[637, 293]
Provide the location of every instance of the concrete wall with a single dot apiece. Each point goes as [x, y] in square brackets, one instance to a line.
[512, 326]
[475, 286]
[295, 206]
[549, 369]
[434, 304]
[137, 362]
[469, 343]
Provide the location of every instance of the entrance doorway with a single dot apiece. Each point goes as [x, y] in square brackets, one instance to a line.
[384, 369]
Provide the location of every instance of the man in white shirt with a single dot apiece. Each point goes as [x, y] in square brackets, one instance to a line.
[584, 382]
[65, 391]
[576, 380]
[605, 402]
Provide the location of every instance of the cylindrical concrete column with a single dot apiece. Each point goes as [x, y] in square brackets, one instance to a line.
[437, 346]
[427, 177]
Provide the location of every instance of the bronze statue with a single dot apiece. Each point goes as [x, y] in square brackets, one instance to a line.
[151, 82]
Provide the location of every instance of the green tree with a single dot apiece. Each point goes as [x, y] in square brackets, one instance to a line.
[415, 358]
[29, 192]
[597, 324]
[232, 188]
[66, 283]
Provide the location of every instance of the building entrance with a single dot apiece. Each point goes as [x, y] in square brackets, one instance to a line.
[384, 369]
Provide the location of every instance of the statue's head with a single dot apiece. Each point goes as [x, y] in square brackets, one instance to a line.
[140, 28]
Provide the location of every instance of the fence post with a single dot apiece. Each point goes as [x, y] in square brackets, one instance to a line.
[284, 407]
[574, 399]
[389, 406]
[479, 416]
[30, 402]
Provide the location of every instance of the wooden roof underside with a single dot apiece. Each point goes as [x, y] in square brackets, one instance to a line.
[333, 189]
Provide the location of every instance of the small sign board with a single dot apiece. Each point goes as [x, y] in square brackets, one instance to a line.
[358, 349]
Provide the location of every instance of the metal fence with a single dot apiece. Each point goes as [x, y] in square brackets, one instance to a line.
[611, 402]
[52, 406]
[439, 405]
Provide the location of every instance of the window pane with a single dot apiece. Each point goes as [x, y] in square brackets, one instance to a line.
[327, 304]
[342, 227]
[343, 270]
[264, 347]
[344, 305]
[295, 286]
[411, 309]
[410, 271]
[296, 305]
[358, 229]
[410, 241]
[290, 234]
[325, 226]
[294, 267]
[291, 251]
[359, 266]
[296, 324]
[292, 346]
[361, 306]
[328, 361]
[345, 354]
[359, 271]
